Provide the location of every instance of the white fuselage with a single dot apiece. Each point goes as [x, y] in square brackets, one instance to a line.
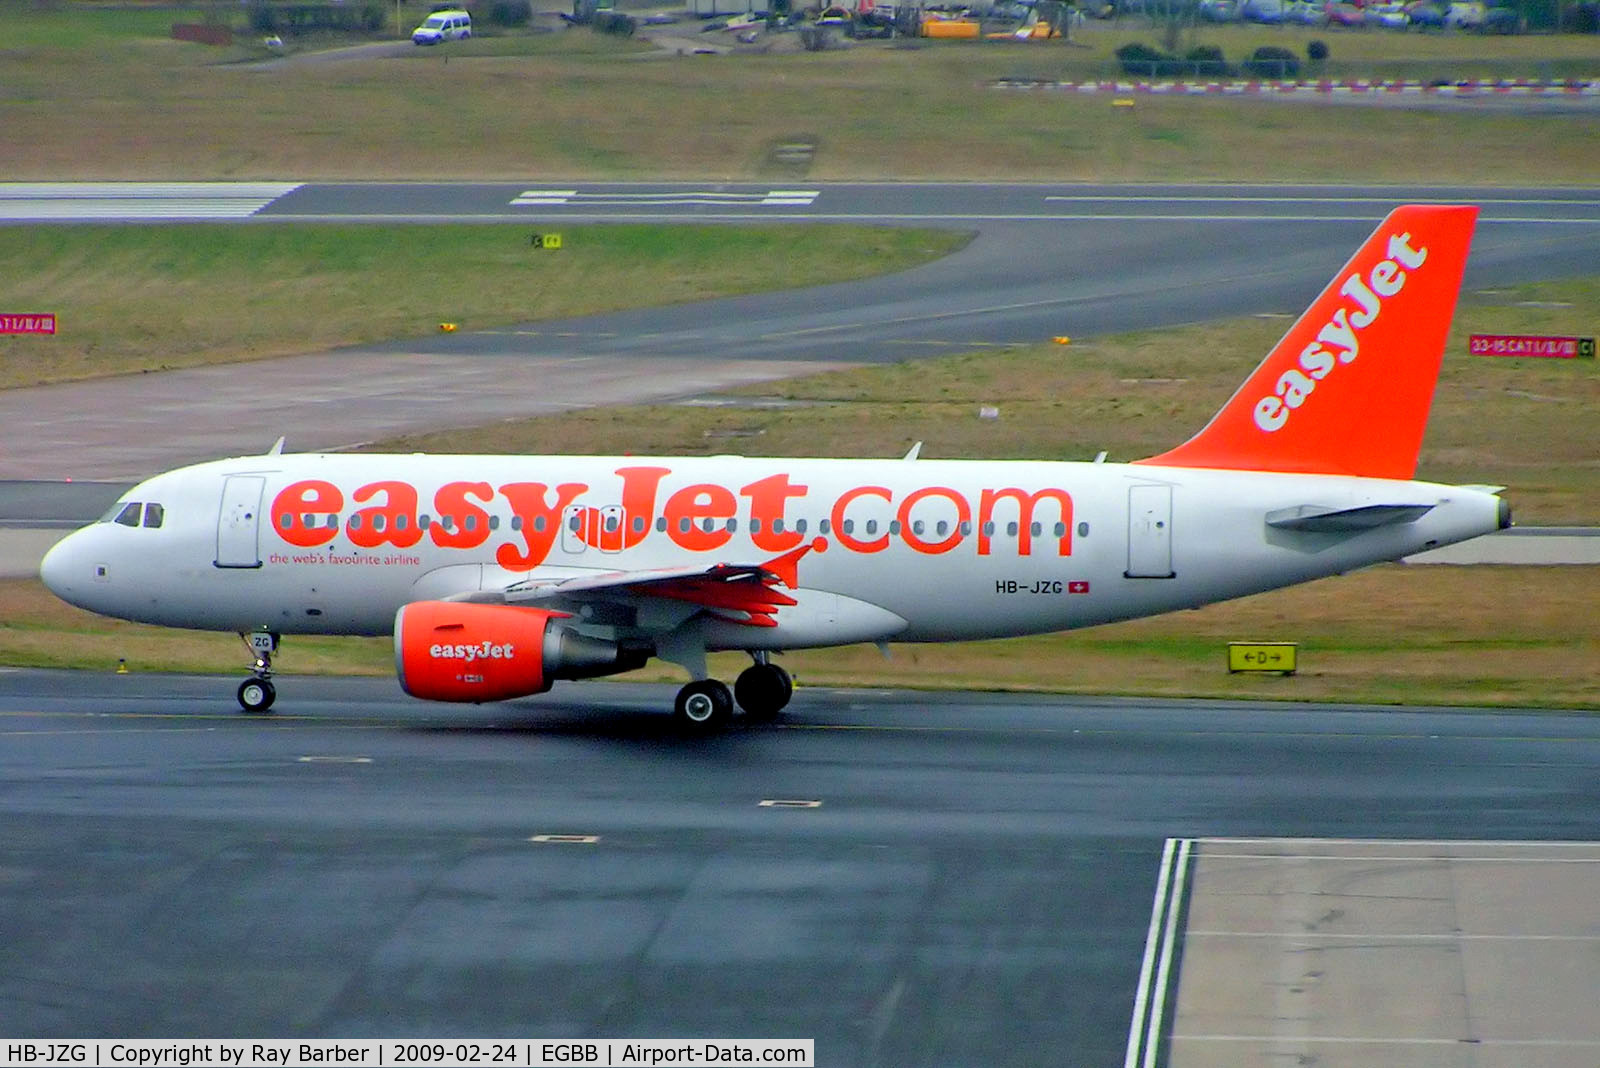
[905, 550]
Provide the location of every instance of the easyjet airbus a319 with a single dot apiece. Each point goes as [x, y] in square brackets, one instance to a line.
[498, 575]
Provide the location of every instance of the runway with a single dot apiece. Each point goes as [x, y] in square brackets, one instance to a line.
[1046, 261]
[956, 879]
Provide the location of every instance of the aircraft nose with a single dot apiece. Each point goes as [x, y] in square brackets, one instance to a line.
[64, 568]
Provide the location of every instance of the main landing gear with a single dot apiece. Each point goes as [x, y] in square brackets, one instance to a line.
[761, 690]
[257, 693]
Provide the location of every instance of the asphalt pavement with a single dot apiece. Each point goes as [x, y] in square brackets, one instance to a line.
[959, 879]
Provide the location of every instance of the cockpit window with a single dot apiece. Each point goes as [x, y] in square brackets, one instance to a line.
[153, 514]
[128, 515]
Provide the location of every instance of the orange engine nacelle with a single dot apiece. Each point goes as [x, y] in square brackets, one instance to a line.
[445, 651]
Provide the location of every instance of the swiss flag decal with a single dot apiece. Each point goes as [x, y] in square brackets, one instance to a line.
[1080, 586]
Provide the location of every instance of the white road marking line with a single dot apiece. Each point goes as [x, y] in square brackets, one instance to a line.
[945, 216]
[1498, 843]
[1149, 1002]
[545, 196]
[565, 839]
[779, 803]
[776, 198]
[1387, 936]
[1158, 1005]
[1581, 1043]
[1294, 199]
[1405, 859]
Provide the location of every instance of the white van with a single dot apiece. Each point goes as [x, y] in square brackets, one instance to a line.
[443, 26]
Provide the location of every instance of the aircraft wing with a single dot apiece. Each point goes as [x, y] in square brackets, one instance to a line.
[740, 593]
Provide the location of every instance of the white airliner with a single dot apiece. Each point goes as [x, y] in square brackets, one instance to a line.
[498, 575]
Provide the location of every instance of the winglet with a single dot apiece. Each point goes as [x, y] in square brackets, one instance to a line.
[1347, 389]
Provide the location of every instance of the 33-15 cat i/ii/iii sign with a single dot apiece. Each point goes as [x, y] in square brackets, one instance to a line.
[1560, 348]
[27, 324]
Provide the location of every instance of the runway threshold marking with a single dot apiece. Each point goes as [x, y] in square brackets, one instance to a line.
[1155, 971]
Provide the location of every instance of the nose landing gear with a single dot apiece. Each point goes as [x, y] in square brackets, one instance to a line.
[257, 693]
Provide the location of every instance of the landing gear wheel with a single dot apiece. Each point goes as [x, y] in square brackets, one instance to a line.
[703, 707]
[256, 695]
[763, 690]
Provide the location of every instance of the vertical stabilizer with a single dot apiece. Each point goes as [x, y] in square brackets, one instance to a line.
[1347, 389]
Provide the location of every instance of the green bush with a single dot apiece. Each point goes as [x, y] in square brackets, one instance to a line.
[1270, 62]
[1205, 60]
[1140, 60]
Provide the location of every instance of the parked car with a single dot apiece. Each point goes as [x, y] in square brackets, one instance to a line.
[1303, 12]
[1341, 14]
[1218, 10]
[1425, 14]
[1266, 12]
[1464, 15]
[1390, 16]
[443, 26]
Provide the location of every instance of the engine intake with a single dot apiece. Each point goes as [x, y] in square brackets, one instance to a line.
[444, 651]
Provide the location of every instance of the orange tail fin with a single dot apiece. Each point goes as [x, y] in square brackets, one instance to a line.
[1348, 388]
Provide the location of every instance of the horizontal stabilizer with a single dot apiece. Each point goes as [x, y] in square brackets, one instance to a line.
[1319, 520]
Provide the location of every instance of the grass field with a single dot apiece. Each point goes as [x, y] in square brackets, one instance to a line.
[133, 299]
[102, 94]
